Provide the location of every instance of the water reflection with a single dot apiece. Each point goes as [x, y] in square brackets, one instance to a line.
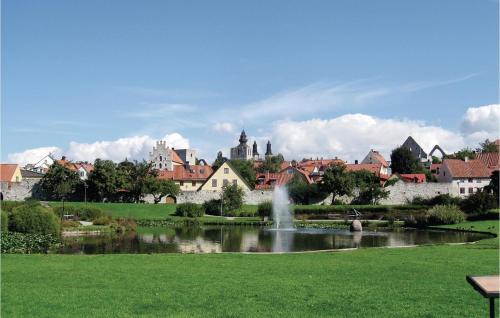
[216, 239]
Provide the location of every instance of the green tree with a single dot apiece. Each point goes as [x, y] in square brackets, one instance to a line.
[337, 181]
[487, 146]
[59, 182]
[271, 164]
[245, 169]
[462, 154]
[140, 177]
[403, 161]
[102, 180]
[232, 197]
[493, 187]
[370, 189]
[436, 159]
[160, 188]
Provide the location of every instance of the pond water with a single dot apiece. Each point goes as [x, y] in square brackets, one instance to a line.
[216, 239]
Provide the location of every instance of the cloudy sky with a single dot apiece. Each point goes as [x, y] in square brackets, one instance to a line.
[318, 78]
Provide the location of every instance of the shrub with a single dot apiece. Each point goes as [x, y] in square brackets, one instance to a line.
[265, 209]
[13, 242]
[8, 206]
[33, 219]
[444, 214]
[103, 220]
[123, 225]
[212, 207]
[189, 210]
[85, 213]
[232, 198]
[479, 203]
[441, 199]
[4, 221]
[69, 223]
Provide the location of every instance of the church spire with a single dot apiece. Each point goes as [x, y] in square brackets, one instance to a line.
[269, 152]
[243, 138]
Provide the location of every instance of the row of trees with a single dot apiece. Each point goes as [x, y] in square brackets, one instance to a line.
[126, 181]
[363, 185]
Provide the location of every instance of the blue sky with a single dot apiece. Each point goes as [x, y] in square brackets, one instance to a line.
[80, 75]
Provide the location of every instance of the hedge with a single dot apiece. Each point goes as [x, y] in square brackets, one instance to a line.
[189, 210]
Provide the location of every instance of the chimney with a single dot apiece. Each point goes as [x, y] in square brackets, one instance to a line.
[63, 158]
[355, 162]
[466, 159]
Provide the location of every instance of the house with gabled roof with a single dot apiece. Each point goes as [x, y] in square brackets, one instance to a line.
[469, 176]
[10, 173]
[226, 174]
[375, 157]
[187, 177]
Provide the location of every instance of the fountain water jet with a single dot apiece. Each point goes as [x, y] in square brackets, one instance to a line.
[283, 219]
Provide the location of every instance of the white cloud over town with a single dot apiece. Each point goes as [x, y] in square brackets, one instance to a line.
[136, 147]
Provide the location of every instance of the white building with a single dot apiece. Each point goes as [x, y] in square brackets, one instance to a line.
[165, 158]
[467, 176]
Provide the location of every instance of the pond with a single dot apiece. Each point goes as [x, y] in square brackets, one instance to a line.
[216, 239]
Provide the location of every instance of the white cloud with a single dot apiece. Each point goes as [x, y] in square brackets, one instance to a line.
[224, 127]
[33, 155]
[136, 147]
[482, 122]
[351, 136]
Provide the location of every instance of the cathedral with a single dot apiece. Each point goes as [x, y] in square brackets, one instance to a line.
[244, 152]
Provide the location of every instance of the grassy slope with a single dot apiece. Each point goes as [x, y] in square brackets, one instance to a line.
[424, 281]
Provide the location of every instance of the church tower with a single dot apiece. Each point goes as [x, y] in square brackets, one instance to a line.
[242, 151]
[269, 152]
[255, 153]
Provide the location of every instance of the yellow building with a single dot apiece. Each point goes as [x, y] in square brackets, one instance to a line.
[10, 173]
[225, 175]
[187, 177]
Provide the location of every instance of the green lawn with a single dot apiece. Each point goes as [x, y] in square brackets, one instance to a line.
[129, 210]
[426, 281]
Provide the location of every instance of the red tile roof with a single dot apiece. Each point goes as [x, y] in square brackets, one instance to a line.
[180, 173]
[371, 167]
[435, 166]
[471, 169]
[87, 166]
[319, 162]
[413, 177]
[67, 164]
[267, 181]
[490, 159]
[7, 171]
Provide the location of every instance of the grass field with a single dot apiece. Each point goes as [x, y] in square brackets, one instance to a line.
[426, 281]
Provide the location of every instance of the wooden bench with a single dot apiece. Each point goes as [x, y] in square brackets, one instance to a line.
[488, 286]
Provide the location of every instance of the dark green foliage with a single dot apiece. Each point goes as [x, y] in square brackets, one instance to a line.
[370, 189]
[436, 159]
[271, 164]
[232, 197]
[487, 146]
[441, 199]
[479, 202]
[265, 209]
[189, 210]
[85, 213]
[218, 161]
[160, 188]
[8, 206]
[33, 219]
[337, 181]
[245, 169]
[462, 154]
[59, 182]
[493, 187]
[4, 220]
[13, 242]
[444, 214]
[403, 161]
[102, 180]
[212, 207]
[303, 193]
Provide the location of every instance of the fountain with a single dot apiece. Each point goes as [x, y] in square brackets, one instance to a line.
[282, 217]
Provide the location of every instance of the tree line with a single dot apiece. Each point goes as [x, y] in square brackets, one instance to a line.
[127, 181]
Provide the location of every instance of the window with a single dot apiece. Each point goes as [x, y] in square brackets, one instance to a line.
[225, 182]
[193, 183]
[471, 190]
[290, 171]
[235, 182]
[478, 181]
[160, 165]
[214, 183]
[462, 190]
[226, 170]
[17, 178]
[462, 180]
[181, 183]
[82, 173]
[470, 180]
[161, 158]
